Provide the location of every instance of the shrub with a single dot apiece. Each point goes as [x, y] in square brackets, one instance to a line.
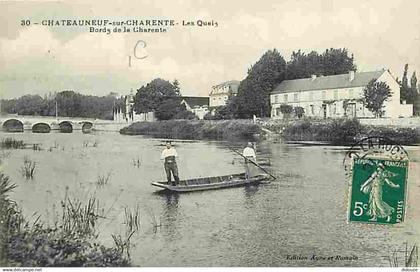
[345, 131]
[400, 135]
[185, 114]
[194, 129]
[337, 131]
[299, 112]
[286, 110]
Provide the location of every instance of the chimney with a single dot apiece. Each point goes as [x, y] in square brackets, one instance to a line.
[313, 77]
[351, 75]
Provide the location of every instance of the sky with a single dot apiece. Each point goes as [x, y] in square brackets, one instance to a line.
[40, 59]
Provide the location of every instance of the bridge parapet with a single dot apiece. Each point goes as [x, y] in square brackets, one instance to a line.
[22, 122]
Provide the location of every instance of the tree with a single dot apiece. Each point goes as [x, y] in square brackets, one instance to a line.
[69, 103]
[8, 105]
[331, 62]
[413, 93]
[337, 61]
[374, 96]
[254, 91]
[176, 84]
[417, 102]
[29, 105]
[167, 109]
[299, 111]
[150, 97]
[286, 110]
[404, 89]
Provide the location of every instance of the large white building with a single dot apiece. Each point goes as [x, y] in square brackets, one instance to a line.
[337, 96]
[220, 93]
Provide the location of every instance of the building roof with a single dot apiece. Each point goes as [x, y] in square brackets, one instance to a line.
[327, 82]
[234, 84]
[230, 82]
[194, 101]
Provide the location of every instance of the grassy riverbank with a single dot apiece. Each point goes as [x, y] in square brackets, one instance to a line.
[71, 242]
[343, 131]
[334, 131]
[195, 130]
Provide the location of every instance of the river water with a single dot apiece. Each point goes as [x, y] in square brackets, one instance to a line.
[300, 215]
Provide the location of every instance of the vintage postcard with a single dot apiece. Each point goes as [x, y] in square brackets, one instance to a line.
[209, 134]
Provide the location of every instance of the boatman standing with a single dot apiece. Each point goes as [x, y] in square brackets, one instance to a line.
[249, 154]
[169, 154]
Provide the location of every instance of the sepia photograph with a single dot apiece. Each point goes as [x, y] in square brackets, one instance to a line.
[209, 134]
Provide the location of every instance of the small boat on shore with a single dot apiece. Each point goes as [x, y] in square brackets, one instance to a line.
[210, 183]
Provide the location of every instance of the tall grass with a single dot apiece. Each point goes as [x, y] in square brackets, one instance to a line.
[6, 186]
[155, 223]
[79, 217]
[409, 257]
[36, 147]
[70, 243]
[132, 220]
[28, 168]
[136, 162]
[11, 143]
[103, 179]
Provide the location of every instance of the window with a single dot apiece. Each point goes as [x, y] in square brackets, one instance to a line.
[285, 98]
[336, 94]
[276, 98]
[351, 93]
[295, 97]
[323, 95]
[312, 109]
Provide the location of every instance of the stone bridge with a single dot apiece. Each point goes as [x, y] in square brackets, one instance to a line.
[44, 124]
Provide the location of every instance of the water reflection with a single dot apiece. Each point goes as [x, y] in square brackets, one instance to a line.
[250, 191]
[170, 216]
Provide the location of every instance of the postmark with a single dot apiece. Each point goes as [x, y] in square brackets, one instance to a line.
[377, 169]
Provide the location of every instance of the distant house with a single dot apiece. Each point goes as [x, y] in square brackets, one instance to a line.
[197, 104]
[220, 93]
[337, 96]
[127, 113]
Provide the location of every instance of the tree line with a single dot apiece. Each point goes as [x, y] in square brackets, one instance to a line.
[69, 104]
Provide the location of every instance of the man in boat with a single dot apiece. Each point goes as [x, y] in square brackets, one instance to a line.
[169, 154]
[250, 156]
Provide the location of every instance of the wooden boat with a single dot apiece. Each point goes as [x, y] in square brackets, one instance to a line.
[210, 183]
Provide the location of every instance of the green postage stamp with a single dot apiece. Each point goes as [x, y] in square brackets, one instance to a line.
[378, 190]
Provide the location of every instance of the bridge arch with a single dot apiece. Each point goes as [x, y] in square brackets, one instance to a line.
[86, 126]
[41, 128]
[13, 125]
[66, 127]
